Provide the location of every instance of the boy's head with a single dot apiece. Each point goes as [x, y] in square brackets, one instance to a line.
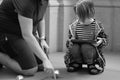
[84, 9]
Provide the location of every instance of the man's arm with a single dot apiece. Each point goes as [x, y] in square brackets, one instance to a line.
[41, 34]
[41, 29]
[26, 25]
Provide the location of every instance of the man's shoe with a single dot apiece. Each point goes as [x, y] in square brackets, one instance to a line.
[40, 67]
[1, 66]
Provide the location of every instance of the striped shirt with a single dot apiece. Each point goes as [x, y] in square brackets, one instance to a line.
[86, 31]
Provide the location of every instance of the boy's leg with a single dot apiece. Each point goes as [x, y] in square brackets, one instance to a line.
[75, 58]
[90, 55]
[76, 53]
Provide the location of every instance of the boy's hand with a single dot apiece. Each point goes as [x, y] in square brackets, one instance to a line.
[98, 42]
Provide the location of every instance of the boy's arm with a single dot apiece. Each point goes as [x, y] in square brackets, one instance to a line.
[72, 29]
[71, 34]
[102, 37]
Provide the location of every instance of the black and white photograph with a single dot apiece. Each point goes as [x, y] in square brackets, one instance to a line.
[59, 39]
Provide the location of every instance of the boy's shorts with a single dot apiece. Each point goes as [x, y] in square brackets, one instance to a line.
[84, 53]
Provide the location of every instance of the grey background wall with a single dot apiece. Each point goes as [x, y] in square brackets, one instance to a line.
[60, 14]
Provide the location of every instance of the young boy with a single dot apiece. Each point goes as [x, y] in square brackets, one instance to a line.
[86, 40]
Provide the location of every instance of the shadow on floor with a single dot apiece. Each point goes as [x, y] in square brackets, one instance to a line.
[110, 73]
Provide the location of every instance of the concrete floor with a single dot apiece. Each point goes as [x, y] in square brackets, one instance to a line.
[112, 71]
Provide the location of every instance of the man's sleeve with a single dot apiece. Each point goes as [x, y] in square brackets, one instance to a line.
[24, 7]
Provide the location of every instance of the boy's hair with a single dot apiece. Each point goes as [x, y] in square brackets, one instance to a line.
[84, 9]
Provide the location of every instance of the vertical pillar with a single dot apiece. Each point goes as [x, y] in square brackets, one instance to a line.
[60, 16]
[1, 1]
[60, 25]
[116, 25]
[53, 25]
[68, 18]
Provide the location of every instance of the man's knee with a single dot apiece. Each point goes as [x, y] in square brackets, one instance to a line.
[29, 72]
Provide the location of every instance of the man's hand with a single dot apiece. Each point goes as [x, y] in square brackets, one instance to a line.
[48, 67]
[44, 46]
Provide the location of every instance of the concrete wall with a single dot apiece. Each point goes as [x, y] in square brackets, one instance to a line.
[108, 12]
[0, 1]
[60, 15]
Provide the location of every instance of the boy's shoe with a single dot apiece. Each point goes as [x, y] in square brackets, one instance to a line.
[74, 67]
[95, 69]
